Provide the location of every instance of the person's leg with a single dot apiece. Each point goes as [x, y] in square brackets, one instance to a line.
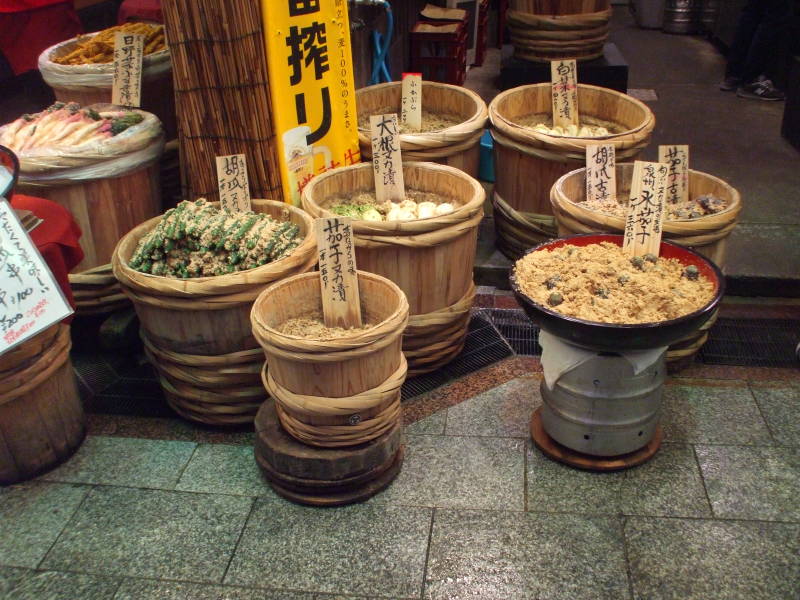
[745, 32]
[767, 40]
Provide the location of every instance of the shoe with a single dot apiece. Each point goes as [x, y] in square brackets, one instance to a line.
[761, 89]
[729, 84]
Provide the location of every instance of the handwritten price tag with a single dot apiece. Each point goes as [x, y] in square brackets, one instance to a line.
[30, 298]
[601, 173]
[126, 87]
[386, 160]
[411, 102]
[677, 158]
[341, 301]
[564, 87]
[234, 187]
[646, 209]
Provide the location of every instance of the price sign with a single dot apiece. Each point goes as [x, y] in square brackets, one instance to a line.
[677, 159]
[341, 303]
[126, 87]
[234, 187]
[646, 209]
[601, 173]
[30, 298]
[386, 160]
[411, 102]
[564, 88]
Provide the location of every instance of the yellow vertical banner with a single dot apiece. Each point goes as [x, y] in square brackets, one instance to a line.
[311, 88]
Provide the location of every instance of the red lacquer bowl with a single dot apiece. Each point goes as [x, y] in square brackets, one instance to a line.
[616, 337]
[10, 166]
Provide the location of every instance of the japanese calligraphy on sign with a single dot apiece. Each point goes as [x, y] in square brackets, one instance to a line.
[677, 159]
[341, 304]
[411, 101]
[564, 88]
[311, 88]
[30, 299]
[234, 187]
[387, 162]
[601, 173]
[646, 210]
[126, 87]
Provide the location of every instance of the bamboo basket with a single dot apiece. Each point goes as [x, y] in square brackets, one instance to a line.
[457, 146]
[431, 260]
[707, 235]
[41, 416]
[338, 392]
[92, 83]
[529, 162]
[543, 30]
[197, 331]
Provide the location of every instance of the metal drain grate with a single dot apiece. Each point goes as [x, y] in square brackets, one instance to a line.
[520, 332]
[752, 343]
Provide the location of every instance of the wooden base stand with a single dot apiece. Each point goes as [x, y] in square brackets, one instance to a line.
[324, 476]
[585, 461]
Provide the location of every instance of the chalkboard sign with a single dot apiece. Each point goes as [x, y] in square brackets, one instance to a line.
[30, 298]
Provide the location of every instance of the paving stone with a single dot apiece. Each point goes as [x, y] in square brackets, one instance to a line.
[32, 515]
[752, 483]
[712, 415]
[780, 405]
[504, 411]
[9, 578]
[133, 589]
[460, 472]
[52, 585]
[224, 469]
[125, 461]
[360, 549]
[432, 425]
[525, 556]
[694, 559]
[151, 533]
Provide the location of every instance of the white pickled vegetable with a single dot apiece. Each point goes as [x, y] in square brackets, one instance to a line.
[371, 215]
[426, 210]
[572, 130]
[393, 214]
[444, 208]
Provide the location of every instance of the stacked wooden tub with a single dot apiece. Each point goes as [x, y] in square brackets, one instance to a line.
[332, 433]
[431, 260]
[544, 30]
[707, 235]
[41, 415]
[457, 146]
[197, 331]
[528, 162]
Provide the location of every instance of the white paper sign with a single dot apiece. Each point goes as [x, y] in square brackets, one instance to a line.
[126, 87]
[30, 298]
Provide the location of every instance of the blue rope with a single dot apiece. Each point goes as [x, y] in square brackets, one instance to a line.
[380, 70]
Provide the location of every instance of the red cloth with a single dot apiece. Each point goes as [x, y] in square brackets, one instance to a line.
[56, 238]
[27, 27]
[140, 10]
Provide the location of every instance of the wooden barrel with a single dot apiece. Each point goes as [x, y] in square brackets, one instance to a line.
[41, 416]
[431, 260]
[545, 30]
[457, 146]
[92, 83]
[707, 235]
[324, 476]
[528, 162]
[338, 392]
[197, 331]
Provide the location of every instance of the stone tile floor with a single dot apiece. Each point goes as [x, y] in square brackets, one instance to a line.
[153, 508]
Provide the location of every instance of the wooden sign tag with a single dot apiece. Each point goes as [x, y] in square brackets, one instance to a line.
[126, 87]
[564, 86]
[677, 159]
[601, 173]
[386, 160]
[30, 298]
[234, 187]
[646, 209]
[411, 102]
[341, 301]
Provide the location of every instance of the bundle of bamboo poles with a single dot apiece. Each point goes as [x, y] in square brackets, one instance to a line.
[219, 68]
